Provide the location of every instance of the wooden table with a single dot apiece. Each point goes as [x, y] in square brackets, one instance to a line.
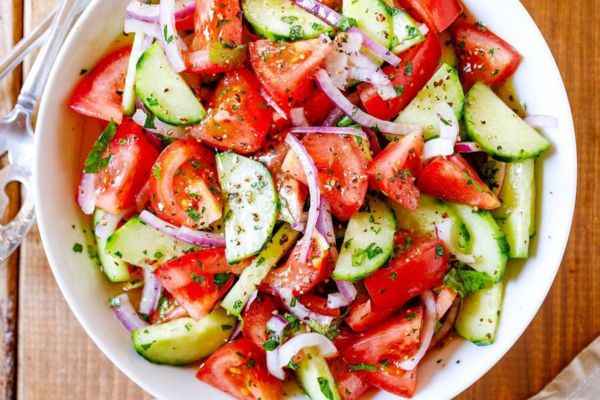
[54, 359]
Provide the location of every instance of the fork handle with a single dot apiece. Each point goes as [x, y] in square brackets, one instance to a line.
[36, 79]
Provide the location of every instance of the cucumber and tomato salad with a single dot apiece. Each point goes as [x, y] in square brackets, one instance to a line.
[290, 192]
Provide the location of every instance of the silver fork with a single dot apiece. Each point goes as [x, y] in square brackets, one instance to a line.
[16, 132]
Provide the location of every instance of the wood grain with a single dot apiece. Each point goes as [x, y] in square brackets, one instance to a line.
[57, 360]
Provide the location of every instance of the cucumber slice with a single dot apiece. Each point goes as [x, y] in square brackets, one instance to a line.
[250, 205]
[479, 314]
[253, 275]
[116, 269]
[368, 241]
[164, 92]
[518, 204]
[143, 246]
[406, 32]
[488, 244]
[315, 377]
[444, 86]
[430, 213]
[183, 340]
[373, 17]
[498, 129]
[282, 19]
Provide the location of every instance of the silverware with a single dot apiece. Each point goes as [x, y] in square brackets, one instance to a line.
[16, 132]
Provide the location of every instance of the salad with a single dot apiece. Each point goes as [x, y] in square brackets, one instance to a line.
[303, 191]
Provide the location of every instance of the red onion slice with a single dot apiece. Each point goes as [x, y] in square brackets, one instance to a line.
[235, 332]
[150, 12]
[86, 193]
[150, 293]
[140, 43]
[273, 364]
[424, 29]
[313, 189]
[347, 289]
[124, 311]
[449, 129]
[297, 117]
[426, 332]
[356, 114]
[170, 38]
[108, 223]
[337, 300]
[272, 104]
[147, 28]
[448, 323]
[321, 11]
[276, 325]
[376, 48]
[251, 299]
[300, 311]
[289, 349]
[325, 226]
[158, 224]
[467, 147]
[333, 117]
[330, 129]
[443, 231]
[542, 121]
[142, 119]
[201, 238]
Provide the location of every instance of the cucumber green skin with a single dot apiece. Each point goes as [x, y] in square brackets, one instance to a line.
[252, 276]
[518, 204]
[312, 367]
[488, 243]
[498, 129]
[183, 340]
[431, 212]
[251, 205]
[408, 41]
[265, 16]
[421, 110]
[115, 269]
[140, 244]
[377, 226]
[479, 314]
[373, 18]
[164, 92]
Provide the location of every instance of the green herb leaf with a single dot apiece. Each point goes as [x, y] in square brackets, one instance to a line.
[362, 367]
[464, 280]
[94, 161]
[221, 279]
[325, 388]
[346, 23]
[270, 345]
[77, 248]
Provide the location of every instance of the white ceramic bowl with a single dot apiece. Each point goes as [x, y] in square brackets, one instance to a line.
[61, 134]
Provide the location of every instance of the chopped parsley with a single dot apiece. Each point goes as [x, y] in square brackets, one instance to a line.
[94, 161]
[156, 170]
[77, 248]
[289, 19]
[359, 256]
[439, 251]
[221, 279]
[296, 32]
[408, 69]
[325, 388]
[270, 345]
[464, 280]
[362, 367]
[346, 23]
[168, 38]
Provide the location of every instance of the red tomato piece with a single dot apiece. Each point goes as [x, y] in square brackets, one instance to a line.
[131, 159]
[283, 68]
[317, 107]
[239, 118]
[256, 318]
[99, 93]
[453, 179]
[301, 277]
[417, 66]
[394, 379]
[293, 193]
[318, 304]
[362, 316]
[394, 170]
[342, 169]
[251, 380]
[272, 155]
[190, 281]
[184, 185]
[420, 268]
[483, 56]
[351, 385]
[444, 301]
[185, 23]
[437, 14]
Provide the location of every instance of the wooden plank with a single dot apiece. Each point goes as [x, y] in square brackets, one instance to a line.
[10, 32]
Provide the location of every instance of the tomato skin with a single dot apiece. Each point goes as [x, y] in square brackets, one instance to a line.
[318, 304]
[301, 277]
[483, 56]
[362, 316]
[394, 170]
[351, 385]
[437, 14]
[317, 107]
[256, 318]
[190, 281]
[185, 167]
[128, 170]
[420, 268]
[394, 379]
[239, 118]
[251, 381]
[423, 60]
[98, 94]
[342, 170]
[453, 179]
[443, 301]
[282, 68]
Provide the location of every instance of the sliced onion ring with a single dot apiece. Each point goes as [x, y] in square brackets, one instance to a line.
[330, 129]
[448, 323]
[347, 289]
[426, 332]
[300, 311]
[251, 299]
[276, 325]
[158, 224]
[149, 12]
[169, 37]
[337, 300]
[321, 11]
[377, 49]
[236, 331]
[289, 349]
[140, 117]
[297, 117]
[124, 311]
[467, 147]
[86, 193]
[272, 104]
[150, 293]
[132, 25]
[201, 238]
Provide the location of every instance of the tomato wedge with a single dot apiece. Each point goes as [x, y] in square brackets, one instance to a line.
[190, 281]
[443, 301]
[417, 66]
[283, 68]
[317, 106]
[419, 268]
[216, 46]
[256, 318]
[184, 185]
[240, 369]
[362, 316]
[99, 94]
[437, 14]
[453, 179]
[128, 169]
[342, 169]
[351, 385]
[239, 118]
[318, 305]
[394, 170]
[393, 379]
[483, 56]
[300, 277]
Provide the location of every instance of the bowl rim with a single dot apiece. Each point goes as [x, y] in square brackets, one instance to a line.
[78, 309]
